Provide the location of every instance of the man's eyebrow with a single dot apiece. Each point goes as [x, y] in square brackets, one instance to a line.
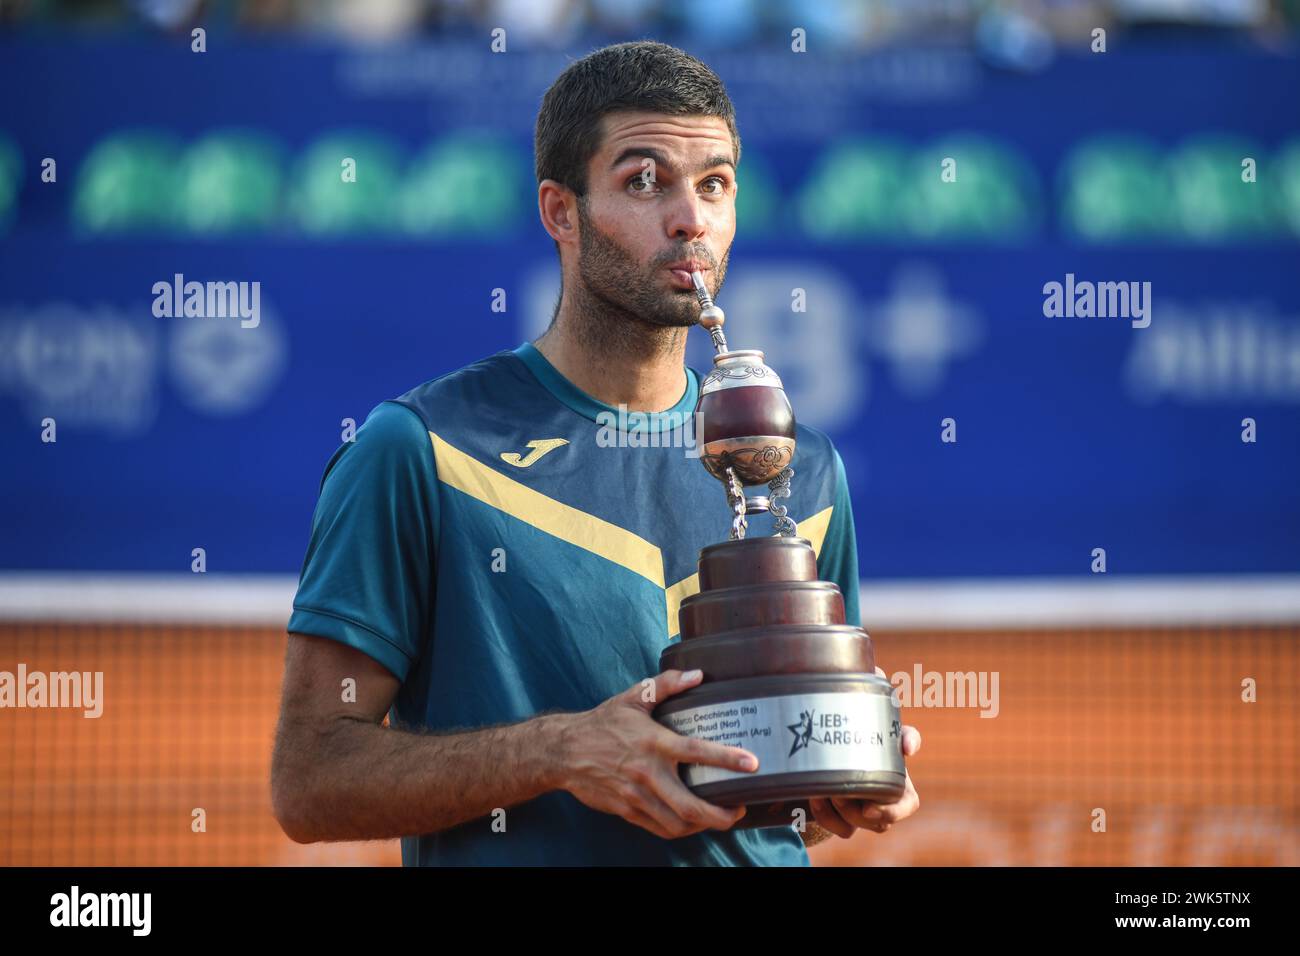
[649, 152]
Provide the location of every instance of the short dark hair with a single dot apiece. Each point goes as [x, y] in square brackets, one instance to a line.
[642, 75]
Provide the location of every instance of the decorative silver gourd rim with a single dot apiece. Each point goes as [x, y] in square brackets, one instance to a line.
[742, 368]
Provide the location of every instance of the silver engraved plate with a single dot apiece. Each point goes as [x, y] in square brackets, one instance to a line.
[796, 733]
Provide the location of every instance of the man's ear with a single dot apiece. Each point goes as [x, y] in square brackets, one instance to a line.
[557, 206]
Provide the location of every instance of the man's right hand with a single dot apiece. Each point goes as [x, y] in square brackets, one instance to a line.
[620, 760]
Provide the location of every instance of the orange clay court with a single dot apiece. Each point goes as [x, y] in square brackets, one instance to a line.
[1148, 725]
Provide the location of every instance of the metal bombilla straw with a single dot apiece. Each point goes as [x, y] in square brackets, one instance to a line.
[711, 317]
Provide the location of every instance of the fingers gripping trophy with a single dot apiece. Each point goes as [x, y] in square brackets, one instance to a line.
[784, 676]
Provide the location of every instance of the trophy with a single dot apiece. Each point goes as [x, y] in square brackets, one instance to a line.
[784, 676]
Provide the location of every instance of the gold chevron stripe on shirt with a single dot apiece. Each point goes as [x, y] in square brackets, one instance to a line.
[586, 531]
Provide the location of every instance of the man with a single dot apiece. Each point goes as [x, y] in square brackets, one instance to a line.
[500, 580]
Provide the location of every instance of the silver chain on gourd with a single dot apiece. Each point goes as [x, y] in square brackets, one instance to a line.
[736, 498]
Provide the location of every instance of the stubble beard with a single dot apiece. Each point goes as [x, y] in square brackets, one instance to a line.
[624, 307]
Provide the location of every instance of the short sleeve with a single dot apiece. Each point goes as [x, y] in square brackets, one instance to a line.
[838, 560]
[368, 578]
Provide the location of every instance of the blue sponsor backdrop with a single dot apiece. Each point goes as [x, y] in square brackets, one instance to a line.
[1072, 434]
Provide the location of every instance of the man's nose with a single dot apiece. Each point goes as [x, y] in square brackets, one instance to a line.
[687, 221]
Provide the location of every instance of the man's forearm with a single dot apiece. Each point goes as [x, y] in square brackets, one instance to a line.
[362, 781]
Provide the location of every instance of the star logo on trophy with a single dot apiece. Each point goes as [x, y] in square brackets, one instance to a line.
[802, 731]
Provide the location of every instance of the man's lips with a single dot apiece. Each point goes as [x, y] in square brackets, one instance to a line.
[689, 265]
[681, 272]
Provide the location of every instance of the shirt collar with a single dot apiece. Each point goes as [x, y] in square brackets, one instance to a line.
[596, 410]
